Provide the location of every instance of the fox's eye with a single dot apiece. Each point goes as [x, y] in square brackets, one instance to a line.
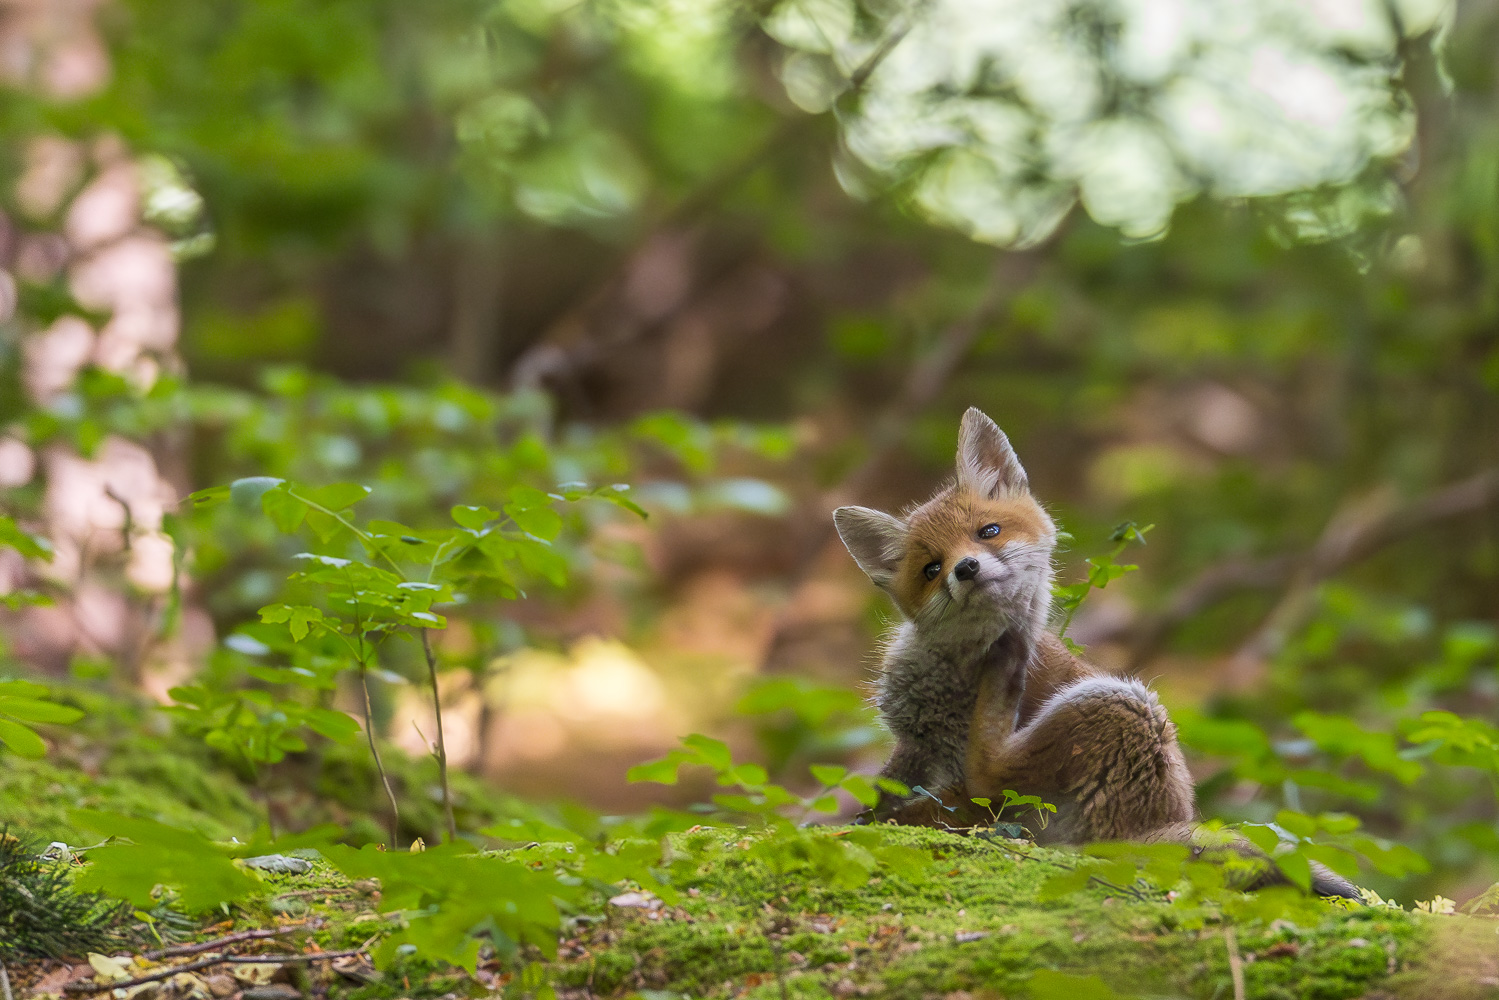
[932, 569]
[989, 531]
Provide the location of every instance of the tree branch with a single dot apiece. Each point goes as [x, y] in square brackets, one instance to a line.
[1355, 533]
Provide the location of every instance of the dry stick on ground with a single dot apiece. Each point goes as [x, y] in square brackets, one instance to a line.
[1235, 962]
[442, 747]
[208, 963]
[1351, 536]
[994, 840]
[216, 943]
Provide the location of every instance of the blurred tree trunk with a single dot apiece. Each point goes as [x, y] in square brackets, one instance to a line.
[474, 335]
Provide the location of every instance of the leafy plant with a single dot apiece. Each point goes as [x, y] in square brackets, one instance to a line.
[42, 913]
[1102, 570]
[23, 705]
[820, 855]
[385, 584]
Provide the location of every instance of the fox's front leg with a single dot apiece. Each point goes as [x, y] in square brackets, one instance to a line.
[996, 714]
[916, 766]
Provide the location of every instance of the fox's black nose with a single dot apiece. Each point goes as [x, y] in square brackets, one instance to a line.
[966, 569]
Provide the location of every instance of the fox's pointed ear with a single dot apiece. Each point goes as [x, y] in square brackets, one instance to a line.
[986, 463]
[876, 541]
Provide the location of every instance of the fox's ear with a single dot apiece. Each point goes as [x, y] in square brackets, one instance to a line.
[876, 541]
[986, 463]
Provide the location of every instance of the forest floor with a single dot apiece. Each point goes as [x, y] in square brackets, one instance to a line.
[972, 928]
[735, 932]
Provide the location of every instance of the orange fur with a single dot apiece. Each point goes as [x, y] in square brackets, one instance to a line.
[945, 529]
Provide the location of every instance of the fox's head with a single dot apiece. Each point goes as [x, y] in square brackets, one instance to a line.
[973, 560]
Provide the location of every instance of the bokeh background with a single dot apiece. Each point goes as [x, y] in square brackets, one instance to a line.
[1227, 268]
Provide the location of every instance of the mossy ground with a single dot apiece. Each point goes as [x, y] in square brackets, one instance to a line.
[113, 762]
[975, 926]
[972, 923]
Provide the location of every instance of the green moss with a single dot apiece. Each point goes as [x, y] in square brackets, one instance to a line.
[121, 758]
[901, 938]
[736, 923]
[41, 794]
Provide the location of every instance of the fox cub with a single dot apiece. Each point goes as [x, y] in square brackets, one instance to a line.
[979, 694]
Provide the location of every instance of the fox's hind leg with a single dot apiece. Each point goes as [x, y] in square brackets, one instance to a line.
[1102, 750]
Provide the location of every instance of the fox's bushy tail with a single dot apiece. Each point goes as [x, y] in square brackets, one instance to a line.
[1248, 867]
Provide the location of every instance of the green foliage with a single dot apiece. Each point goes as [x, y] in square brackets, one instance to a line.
[447, 896]
[1101, 571]
[847, 857]
[798, 719]
[253, 726]
[42, 914]
[201, 874]
[24, 704]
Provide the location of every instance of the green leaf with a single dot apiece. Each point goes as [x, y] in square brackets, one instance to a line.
[714, 753]
[615, 494]
[542, 560]
[1296, 868]
[325, 526]
[828, 774]
[527, 498]
[200, 870]
[661, 772]
[246, 493]
[210, 497]
[861, 789]
[1262, 837]
[1296, 823]
[337, 496]
[284, 510]
[298, 618]
[22, 740]
[337, 726]
[474, 518]
[747, 775]
[32, 710]
[1063, 884]
[29, 545]
[543, 522]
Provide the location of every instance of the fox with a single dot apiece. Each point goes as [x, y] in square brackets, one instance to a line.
[982, 697]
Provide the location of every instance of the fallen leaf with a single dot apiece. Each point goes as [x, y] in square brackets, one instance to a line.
[110, 970]
[254, 973]
[636, 900]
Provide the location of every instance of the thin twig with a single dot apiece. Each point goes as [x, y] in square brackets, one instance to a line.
[1235, 963]
[1103, 883]
[5, 982]
[208, 963]
[217, 943]
[1352, 535]
[369, 726]
[316, 956]
[1356, 532]
[369, 731]
[442, 747]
